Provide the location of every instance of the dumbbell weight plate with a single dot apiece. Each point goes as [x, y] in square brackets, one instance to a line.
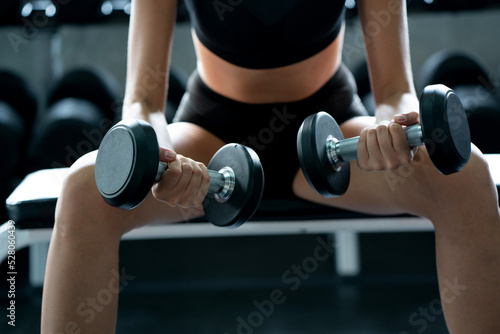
[248, 189]
[311, 149]
[93, 84]
[126, 164]
[445, 129]
[19, 94]
[12, 136]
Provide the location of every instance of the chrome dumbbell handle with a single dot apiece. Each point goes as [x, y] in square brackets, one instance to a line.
[340, 151]
[221, 183]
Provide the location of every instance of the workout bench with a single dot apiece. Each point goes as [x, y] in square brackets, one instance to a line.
[32, 204]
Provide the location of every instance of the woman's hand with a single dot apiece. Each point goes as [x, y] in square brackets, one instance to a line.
[185, 183]
[384, 145]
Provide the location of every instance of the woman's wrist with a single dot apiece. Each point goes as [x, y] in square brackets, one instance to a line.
[398, 103]
[137, 110]
[156, 118]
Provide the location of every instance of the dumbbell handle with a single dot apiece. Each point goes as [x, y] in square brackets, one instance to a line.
[221, 182]
[344, 150]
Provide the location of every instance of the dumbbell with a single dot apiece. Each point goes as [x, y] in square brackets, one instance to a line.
[127, 166]
[80, 109]
[322, 149]
[470, 78]
[18, 108]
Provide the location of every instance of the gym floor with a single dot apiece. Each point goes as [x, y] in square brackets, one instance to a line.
[317, 307]
[221, 293]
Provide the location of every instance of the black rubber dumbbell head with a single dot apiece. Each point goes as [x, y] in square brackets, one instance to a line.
[311, 148]
[20, 95]
[126, 163]
[249, 186]
[445, 129]
[93, 84]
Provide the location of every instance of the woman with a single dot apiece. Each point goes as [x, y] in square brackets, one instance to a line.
[264, 64]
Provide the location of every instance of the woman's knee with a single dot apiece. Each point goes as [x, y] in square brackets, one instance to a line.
[477, 177]
[474, 179]
[80, 206]
[435, 193]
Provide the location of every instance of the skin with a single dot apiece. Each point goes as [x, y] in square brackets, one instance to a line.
[84, 249]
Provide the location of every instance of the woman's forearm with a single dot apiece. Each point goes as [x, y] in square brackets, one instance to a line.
[150, 38]
[149, 46]
[385, 30]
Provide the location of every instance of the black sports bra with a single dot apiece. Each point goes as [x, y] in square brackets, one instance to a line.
[262, 34]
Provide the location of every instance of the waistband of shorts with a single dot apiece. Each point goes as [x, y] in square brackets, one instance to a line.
[341, 81]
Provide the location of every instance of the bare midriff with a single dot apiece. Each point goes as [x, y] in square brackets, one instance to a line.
[283, 84]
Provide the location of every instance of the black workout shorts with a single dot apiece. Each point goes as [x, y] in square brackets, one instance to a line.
[270, 129]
